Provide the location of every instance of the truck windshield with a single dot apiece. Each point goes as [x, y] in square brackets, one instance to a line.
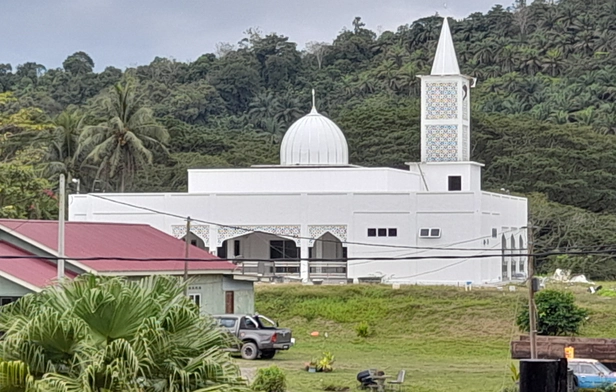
[602, 368]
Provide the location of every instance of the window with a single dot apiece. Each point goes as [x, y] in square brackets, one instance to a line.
[430, 233]
[455, 183]
[193, 242]
[280, 250]
[383, 232]
[494, 233]
[196, 298]
[587, 369]
[237, 250]
[344, 253]
[227, 322]
[328, 270]
[221, 251]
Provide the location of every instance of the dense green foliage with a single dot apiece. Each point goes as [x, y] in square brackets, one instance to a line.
[557, 314]
[97, 334]
[270, 379]
[544, 109]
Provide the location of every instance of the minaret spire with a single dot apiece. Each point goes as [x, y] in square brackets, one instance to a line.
[445, 60]
[314, 102]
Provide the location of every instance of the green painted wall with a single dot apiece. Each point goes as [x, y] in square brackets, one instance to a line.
[212, 289]
[10, 289]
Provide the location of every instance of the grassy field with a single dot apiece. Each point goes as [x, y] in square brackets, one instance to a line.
[447, 339]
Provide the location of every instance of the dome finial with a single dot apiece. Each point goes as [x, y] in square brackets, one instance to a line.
[314, 102]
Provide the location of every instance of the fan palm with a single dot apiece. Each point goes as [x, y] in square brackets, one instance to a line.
[98, 334]
[125, 142]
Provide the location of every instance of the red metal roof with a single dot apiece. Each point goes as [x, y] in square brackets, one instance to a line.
[31, 270]
[95, 239]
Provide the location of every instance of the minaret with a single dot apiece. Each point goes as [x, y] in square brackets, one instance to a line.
[445, 106]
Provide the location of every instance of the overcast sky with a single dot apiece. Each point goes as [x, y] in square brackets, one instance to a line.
[132, 32]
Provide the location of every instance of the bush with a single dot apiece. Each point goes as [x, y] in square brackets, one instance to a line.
[363, 329]
[557, 314]
[270, 379]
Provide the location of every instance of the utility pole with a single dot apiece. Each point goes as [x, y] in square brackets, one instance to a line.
[61, 207]
[186, 251]
[532, 316]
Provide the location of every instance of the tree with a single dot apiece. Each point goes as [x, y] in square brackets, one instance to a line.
[557, 314]
[125, 142]
[63, 141]
[99, 334]
[78, 63]
[24, 195]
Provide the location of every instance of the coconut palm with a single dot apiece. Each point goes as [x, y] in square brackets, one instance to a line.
[98, 334]
[125, 142]
[62, 142]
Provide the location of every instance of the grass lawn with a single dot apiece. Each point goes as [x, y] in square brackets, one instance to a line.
[445, 338]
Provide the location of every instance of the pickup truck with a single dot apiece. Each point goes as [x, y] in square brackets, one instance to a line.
[258, 336]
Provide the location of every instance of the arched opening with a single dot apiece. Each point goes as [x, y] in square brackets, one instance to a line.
[522, 259]
[514, 258]
[329, 249]
[195, 241]
[504, 258]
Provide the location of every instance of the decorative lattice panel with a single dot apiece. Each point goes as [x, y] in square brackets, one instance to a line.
[292, 231]
[441, 100]
[441, 143]
[465, 143]
[201, 231]
[465, 102]
[338, 231]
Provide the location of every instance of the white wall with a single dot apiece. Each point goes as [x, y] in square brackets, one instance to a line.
[465, 218]
[301, 179]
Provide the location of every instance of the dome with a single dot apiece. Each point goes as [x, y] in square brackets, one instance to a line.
[314, 140]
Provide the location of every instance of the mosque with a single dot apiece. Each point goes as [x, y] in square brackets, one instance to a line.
[316, 217]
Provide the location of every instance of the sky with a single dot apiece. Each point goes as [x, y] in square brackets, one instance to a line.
[126, 33]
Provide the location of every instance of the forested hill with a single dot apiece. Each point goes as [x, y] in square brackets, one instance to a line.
[544, 113]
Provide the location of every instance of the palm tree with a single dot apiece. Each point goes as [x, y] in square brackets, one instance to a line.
[125, 142]
[98, 334]
[63, 142]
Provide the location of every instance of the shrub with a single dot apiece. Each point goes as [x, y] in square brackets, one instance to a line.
[363, 329]
[557, 314]
[270, 379]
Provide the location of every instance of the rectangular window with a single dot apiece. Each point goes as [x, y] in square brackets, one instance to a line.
[345, 253]
[430, 233]
[287, 270]
[392, 232]
[494, 233]
[237, 250]
[196, 298]
[221, 251]
[371, 232]
[382, 232]
[280, 250]
[455, 183]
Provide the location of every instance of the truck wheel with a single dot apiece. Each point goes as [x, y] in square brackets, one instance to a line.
[268, 354]
[249, 351]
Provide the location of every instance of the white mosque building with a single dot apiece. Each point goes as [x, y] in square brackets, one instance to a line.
[315, 216]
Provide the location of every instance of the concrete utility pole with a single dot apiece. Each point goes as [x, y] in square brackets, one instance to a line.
[61, 207]
[186, 251]
[532, 316]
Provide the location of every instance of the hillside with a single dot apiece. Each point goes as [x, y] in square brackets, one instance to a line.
[446, 338]
[543, 120]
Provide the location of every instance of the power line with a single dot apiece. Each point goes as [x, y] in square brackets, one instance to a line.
[404, 258]
[249, 230]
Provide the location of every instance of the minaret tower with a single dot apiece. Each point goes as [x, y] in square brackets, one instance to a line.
[445, 106]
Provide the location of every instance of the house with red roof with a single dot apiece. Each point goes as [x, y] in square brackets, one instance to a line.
[29, 253]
